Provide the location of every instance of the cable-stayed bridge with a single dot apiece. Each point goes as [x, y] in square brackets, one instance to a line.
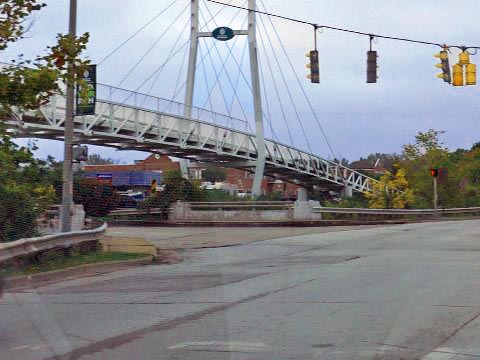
[132, 120]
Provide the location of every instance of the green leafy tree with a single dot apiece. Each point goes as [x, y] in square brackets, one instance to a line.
[214, 174]
[28, 185]
[175, 188]
[97, 199]
[391, 192]
[97, 159]
[27, 84]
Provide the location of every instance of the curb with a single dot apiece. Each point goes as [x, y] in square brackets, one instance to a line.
[165, 257]
[298, 223]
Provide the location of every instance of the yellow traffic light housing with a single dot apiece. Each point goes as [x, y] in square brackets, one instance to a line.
[444, 65]
[464, 58]
[458, 75]
[471, 74]
[314, 66]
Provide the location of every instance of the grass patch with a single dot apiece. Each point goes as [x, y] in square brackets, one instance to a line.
[60, 262]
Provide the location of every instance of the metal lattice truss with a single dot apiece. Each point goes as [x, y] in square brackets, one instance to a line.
[142, 123]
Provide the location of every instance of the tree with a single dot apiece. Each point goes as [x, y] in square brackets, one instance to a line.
[27, 84]
[97, 199]
[391, 192]
[214, 174]
[28, 185]
[97, 159]
[175, 188]
[26, 189]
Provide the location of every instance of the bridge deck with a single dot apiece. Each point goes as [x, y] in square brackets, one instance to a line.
[133, 123]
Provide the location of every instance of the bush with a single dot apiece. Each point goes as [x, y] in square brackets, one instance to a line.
[97, 199]
[176, 188]
[18, 214]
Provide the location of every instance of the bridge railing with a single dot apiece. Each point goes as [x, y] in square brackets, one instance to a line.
[158, 104]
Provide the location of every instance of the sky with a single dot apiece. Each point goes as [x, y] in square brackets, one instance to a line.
[357, 118]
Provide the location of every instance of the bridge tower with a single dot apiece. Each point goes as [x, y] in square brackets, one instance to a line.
[251, 33]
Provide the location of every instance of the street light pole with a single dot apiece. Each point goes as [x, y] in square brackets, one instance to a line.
[67, 189]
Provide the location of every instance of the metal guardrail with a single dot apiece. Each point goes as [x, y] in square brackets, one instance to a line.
[27, 247]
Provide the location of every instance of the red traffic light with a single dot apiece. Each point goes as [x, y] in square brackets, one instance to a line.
[434, 172]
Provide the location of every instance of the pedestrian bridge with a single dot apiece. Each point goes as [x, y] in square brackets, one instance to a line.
[129, 120]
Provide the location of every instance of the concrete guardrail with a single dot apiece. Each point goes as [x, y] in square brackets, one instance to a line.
[32, 246]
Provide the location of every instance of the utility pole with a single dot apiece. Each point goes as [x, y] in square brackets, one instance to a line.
[435, 193]
[67, 189]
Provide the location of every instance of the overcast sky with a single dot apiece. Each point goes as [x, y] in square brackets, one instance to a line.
[358, 118]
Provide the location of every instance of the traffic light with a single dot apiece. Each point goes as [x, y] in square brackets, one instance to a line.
[372, 67]
[458, 75]
[464, 73]
[444, 65]
[471, 74]
[314, 66]
[434, 172]
[464, 58]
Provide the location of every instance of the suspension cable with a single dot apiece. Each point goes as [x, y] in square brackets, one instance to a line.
[209, 90]
[276, 89]
[300, 84]
[177, 40]
[224, 62]
[226, 73]
[136, 33]
[285, 82]
[151, 47]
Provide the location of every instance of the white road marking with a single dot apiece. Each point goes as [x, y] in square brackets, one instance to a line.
[233, 346]
[21, 347]
[443, 354]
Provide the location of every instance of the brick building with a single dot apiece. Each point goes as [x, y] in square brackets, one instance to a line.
[240, 180]
[154, 162]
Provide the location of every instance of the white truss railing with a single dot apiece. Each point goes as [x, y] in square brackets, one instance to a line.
[134, 121]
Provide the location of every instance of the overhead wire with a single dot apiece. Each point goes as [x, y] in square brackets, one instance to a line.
[205, 26]
[336, 28]
[137, 32]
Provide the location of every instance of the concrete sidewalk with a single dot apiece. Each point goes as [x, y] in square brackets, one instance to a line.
[178, 238]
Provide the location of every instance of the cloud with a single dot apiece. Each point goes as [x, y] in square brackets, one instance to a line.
[359, 118]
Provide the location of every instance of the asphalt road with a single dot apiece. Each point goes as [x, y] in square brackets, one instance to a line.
[400, 292]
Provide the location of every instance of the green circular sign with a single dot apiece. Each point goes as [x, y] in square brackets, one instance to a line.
[223, 34]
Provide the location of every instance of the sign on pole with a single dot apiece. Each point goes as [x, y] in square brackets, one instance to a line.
[87, 106]
[105, 179]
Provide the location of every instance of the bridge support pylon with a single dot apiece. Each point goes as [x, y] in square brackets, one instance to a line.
[251, 33]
